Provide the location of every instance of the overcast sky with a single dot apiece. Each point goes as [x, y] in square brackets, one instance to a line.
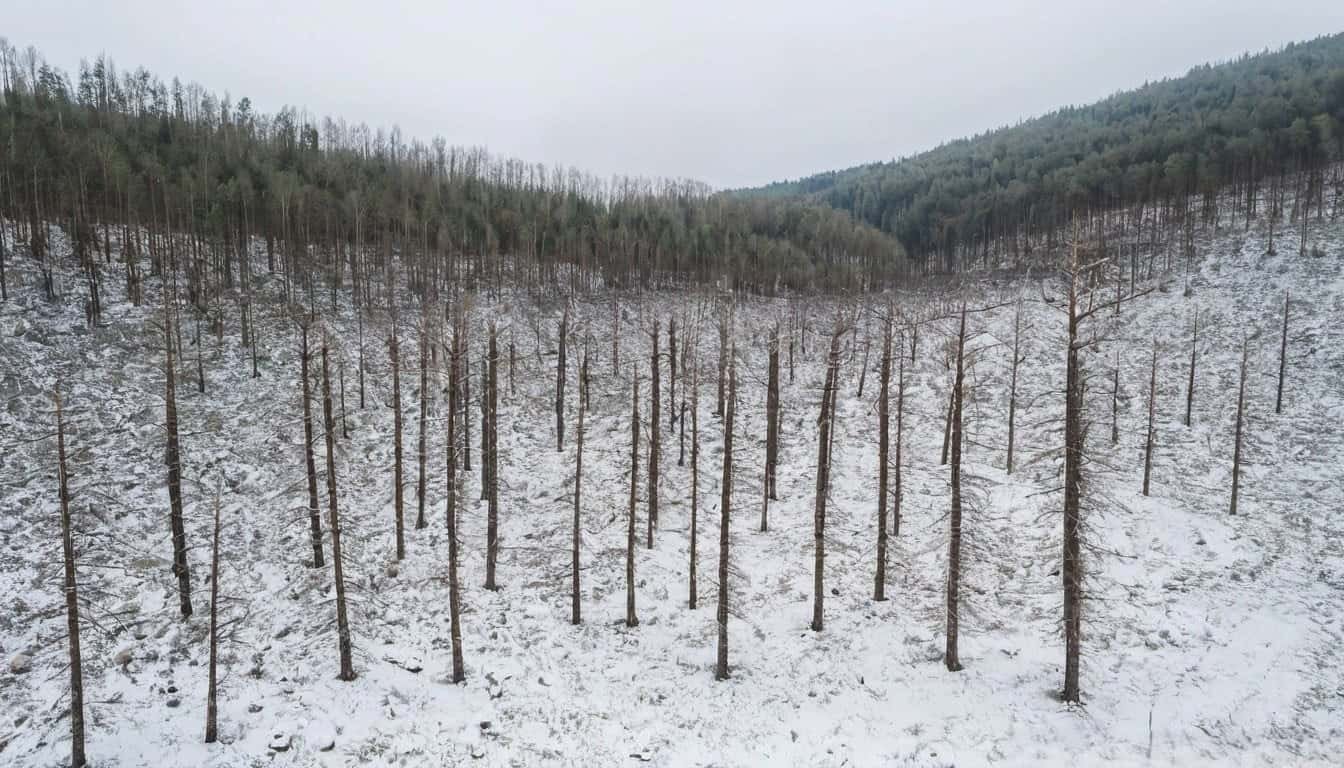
[731, 93]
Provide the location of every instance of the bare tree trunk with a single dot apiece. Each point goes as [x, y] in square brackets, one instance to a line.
[630, 619]
[1241, 417]
[1152, 412]
[1115, 401]
[1073, 457]
[655, 438]
[420, 521]
[342, 620]
[695, 477]
[771, 426]
[211, 708]
[560, 383]
[883, 426]
[672, 373]
[823, 480]
[454, 586]
[359, 315]
[345, 425]
[723, 356]
[1190, 388]
[725, 504]
[394, 353]
[314, 516]
[900, 418]
[1283, 357]
[947, 425]
[71, 600]
[1012, 384]
[174, 460]
[491, 457]
[950, 656]
[575, 614]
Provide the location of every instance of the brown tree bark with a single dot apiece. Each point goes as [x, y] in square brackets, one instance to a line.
[630, 619]
[394, 355]
[423, 456]
[695, 479]
[655, 437]
[212, 690]
[1152, 412]
[454, 586]
[883, 428]
[823, 480]
[174, 460]
[314, 516]
[575, 612]
[491, 458]
[71, 590]
[342, 619]
[1012, 383]
[725, 504]
[1283, 356]
[560, 383]
[1241, 418]
[950, 655]
[771, 426]
[1072, 571]
[1190, 388]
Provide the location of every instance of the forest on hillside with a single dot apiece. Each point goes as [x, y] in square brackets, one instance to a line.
[123, 149]
[1232, 126]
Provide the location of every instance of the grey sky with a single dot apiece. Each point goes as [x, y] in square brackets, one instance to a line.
[732, 93]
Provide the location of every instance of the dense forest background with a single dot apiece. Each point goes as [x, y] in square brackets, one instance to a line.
[125, 150]
[1227, 126]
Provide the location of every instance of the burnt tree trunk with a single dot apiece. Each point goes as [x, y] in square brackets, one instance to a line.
[560, 383]
[423, 456]
[771, 426]
[900, 418]
[491, 457]
[695, 479]
[211, 707]
[1190, 388]
[1012, 384]
[71, 600]
[575, 612]
[1073, 458]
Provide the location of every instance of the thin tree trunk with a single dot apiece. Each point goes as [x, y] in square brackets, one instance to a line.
[1152, 412]
[630, 619]
[695, 478]
[420, 521]
[883, 427]
[725, 503]
[342, 619]
[71, 600]
[314, 516]
[771, 426]
[560, 384]
[454, 587]
[211, 708]
[398, 484]
[1283, 357]
[950, 656]
[823, 481]
[1241, 417]
[1012, 384]
[1190, 388]
[575, 613]
[1073, 457]
[174, 460]
[491, 458]
[655, 437]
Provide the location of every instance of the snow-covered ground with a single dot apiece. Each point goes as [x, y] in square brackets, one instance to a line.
[1208, 638]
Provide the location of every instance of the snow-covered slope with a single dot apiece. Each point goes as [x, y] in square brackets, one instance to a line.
[1208, 638]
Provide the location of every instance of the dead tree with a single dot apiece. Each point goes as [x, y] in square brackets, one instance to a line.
[1152, 413]
[630, 619]
[491, 457]
[723, 356]
[1190, 388]
[947, 423]
[314, 516]
[771, 426]
[900, 418]
[71, 599]
[394, 353]
[211, 707]
[420, 521]
[655, 436]
[672, 373]
[173, 457]
[1241, 418]
[824, 478]
[883, 426]
[340, 368]
[1017, 360]
[1115, 397]
[342, 619]
[695, 476]
[575, 614]
[681, 417]
[560, 383]
[725, 504]
[1283, 354]
[359, 317]
[950, 656]
[454, 587]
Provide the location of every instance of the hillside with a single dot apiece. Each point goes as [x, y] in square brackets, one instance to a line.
[1233, 125]
[1208, 638]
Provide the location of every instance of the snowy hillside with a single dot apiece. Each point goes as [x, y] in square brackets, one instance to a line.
[1208, 638]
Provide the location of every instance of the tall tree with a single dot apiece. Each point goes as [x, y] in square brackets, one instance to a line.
[174, 461]
[342, 618]
[725, 505]
[71, 590]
